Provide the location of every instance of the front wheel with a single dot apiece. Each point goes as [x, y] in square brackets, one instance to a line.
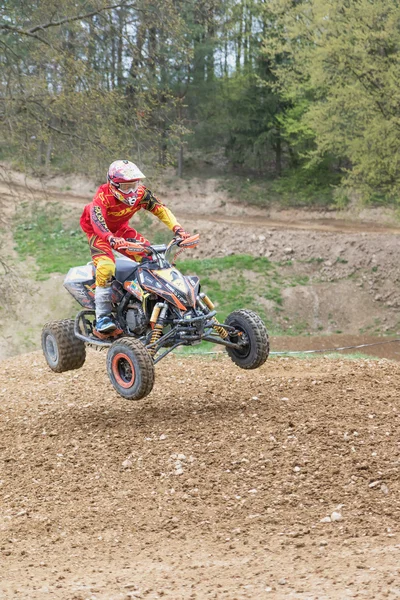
[253, 334]
[130, 369]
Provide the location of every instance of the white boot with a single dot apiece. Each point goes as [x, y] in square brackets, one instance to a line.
[104, 320]
[102, 298]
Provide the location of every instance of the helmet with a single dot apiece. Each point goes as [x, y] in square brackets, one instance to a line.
[123, 178]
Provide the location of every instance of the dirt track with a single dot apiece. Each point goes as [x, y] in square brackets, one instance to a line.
[92, 505]
[204, 200]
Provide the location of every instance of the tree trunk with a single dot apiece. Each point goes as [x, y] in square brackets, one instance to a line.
[246, 40]
[152, 50]
[180, 161]
[40, 151]
[120, 47]
[137, 61]
[49, 150]
[210, 44]
[278, 152]
[239, 41]
[113, 61]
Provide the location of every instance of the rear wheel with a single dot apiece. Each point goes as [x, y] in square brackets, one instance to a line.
[62, 350]
[130, 369]
[253, 333]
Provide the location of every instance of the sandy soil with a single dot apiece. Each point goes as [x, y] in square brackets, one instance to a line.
[93, 505]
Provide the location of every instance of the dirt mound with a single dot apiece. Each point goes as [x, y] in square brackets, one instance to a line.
[218, 485]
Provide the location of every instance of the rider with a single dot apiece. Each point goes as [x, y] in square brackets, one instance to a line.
[106, 223]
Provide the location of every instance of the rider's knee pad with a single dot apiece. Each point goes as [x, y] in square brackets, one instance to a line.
[105, 271]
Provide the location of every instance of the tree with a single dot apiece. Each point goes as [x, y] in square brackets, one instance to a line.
[342, 66]
[83, 83]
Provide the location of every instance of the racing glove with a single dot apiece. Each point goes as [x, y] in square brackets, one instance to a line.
[117, 242]
[180, 232]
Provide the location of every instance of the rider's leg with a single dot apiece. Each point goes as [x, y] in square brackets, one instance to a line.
[105, 270]
[103, 260]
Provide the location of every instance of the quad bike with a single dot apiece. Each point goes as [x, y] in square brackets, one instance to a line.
[157, 309]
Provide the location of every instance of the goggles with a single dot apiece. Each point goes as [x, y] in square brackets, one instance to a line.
[128, 188]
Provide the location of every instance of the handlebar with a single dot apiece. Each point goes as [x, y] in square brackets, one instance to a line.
[133, 247]
[189, 242]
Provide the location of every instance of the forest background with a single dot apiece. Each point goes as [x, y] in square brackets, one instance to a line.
[292, 100]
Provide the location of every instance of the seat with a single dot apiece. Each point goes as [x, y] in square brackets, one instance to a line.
[125, 269]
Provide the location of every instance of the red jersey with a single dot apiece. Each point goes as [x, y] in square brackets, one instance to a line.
[106, 215]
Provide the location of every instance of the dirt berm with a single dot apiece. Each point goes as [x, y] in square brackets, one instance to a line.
[218, 485]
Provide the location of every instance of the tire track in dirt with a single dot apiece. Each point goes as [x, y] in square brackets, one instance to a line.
[259, 221]
[322, 225]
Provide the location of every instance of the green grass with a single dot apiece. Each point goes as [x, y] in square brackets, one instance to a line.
[243, 281]
[315, 259]
[56, 247]
[226, 280]
[296, 187]
[299, 280]
[303, 187]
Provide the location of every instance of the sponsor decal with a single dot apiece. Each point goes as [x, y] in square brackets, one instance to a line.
[98, 218]
[120, 213]
[173, 277]
[79, 292]
[134, 288]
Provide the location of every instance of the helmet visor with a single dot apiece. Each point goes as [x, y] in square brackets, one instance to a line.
[129, 187]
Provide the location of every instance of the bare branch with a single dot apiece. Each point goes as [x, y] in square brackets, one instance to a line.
[78, 17]
[32, 32]
[2, 42]
[27, 33]
[69, 134]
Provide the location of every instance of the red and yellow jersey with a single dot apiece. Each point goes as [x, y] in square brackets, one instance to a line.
[106, 215]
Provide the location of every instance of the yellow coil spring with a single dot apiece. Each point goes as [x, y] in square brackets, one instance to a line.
[220, 330]
[155, 336]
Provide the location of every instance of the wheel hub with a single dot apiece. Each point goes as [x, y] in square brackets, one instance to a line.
[123, 369]
[242, 339]
[51, 348]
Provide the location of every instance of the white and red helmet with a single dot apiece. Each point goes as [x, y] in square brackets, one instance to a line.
[124, 179]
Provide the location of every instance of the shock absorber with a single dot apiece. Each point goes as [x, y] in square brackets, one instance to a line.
[157, 322]
[216, 324]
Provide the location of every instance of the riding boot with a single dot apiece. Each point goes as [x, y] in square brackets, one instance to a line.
[102, 298]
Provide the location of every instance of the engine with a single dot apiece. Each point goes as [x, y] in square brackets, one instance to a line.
[136, 319]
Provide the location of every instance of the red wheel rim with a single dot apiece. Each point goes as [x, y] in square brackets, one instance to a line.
[123, 370]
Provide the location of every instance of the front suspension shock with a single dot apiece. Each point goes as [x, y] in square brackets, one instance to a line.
[203, 299]
[157, 320]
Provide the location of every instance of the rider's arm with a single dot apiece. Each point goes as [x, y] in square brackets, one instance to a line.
[151, 203]
[98, 216]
